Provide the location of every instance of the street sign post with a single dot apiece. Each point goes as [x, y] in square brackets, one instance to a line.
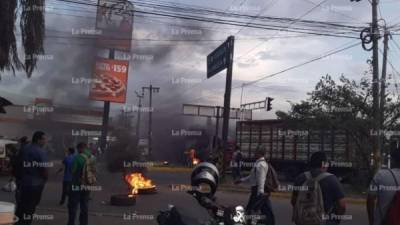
[219, 59]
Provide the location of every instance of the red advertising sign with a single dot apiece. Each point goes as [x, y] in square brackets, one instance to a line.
[110, 80]
[115, 21]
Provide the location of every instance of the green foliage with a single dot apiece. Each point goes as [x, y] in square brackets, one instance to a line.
[32, 27]
[344, 105]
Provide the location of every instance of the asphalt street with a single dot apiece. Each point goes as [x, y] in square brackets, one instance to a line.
[171, 190]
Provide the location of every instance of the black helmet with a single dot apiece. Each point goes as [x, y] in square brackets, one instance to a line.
[205, 176]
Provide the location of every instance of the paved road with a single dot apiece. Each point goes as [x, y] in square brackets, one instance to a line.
[147, 206]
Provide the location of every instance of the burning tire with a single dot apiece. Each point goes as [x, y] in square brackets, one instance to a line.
[139, 184]
[147, 191]
[123, 200]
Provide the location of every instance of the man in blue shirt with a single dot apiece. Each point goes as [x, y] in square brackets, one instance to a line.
[67, 180]
[34, 177]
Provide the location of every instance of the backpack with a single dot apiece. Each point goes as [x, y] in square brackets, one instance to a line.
[271, 181]
[89, 170]
[392, 215]
[309, 208]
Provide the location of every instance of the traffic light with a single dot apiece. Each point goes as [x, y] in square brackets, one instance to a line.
[269, 100]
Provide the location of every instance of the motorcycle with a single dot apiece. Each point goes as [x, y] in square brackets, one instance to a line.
[205, 176]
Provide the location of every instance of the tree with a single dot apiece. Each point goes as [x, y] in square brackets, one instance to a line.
[32, 26]
[345, 105]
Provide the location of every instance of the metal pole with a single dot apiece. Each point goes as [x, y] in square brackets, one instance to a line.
[241, 95]
[151, 89]
[375, 84]
[138, 116]
[106, 113]
[383, 84]
[227, 98]
[150, 122]
[217, 127]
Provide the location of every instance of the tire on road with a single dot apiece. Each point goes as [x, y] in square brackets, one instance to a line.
[147, 191]
[122, 200]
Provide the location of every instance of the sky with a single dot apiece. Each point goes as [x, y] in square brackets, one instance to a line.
[179, 68]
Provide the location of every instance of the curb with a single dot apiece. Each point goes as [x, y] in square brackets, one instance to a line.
[287, 195]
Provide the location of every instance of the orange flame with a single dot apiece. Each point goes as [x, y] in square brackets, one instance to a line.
[195, 161]
[137, 181]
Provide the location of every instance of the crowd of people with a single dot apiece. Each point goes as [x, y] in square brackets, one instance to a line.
[318, 197]
[30, 168]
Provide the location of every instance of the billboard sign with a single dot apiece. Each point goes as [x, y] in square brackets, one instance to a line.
[110, 80]
[220, 58]
[115, 21]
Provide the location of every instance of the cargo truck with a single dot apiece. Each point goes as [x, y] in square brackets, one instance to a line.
[289, 150]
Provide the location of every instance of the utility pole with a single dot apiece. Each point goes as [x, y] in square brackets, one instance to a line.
[375, 83]
[151, 90]
[241, 94]
[106, 114]
[227, 100]
[139, 96]
[383, 87]
[217, 128]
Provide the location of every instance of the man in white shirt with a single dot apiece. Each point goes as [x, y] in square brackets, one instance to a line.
[259, 200]
[382, 190]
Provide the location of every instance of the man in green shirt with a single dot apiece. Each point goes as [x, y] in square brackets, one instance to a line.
[79, 193]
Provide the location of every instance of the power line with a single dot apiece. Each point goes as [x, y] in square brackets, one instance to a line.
[332, 52]
[339, 13]
[286, 29]
[94, 37]
[320, 24]
[301, 64]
